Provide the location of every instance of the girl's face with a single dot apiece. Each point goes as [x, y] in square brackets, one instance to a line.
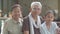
[49, 17]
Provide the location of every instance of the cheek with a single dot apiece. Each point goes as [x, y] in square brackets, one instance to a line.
[12, 14]
[38, 12]
[16, 14]
[34, 12]
[52, 19]
[46, 19]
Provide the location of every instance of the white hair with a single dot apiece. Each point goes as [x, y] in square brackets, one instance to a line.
[36, 3]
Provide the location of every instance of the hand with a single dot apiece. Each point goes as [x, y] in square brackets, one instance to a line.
[58, 31]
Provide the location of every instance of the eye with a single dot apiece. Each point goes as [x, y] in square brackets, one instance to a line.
[50, 16]
[36, 8]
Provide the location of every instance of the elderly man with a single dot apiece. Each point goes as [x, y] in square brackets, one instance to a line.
[31, 24]
[13, 25]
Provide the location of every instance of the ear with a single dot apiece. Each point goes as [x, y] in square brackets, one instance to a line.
[30, 9]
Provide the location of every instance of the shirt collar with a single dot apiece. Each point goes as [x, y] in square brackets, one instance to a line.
[14, 21]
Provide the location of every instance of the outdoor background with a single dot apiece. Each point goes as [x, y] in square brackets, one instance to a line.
[5, 7]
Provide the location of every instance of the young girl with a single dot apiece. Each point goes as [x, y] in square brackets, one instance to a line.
[49, 27]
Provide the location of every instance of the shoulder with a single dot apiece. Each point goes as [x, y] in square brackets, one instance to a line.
[25, 24]
[7, 21]
[54, 23]
[25, 19]
[42, 25]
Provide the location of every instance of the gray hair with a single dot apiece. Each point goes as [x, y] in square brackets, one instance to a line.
[36, 3]
[50, 11]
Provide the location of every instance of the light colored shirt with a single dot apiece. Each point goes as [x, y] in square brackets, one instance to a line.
[52, 29]
[12, 27]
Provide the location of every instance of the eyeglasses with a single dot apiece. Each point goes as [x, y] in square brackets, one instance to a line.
[36, 9]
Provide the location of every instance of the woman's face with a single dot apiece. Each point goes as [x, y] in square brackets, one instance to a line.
[36, 9]
[16, 12]
[49, 17]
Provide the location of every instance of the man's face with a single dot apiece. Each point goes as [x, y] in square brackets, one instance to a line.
[49, 17]
[16, 12]
[36, 9]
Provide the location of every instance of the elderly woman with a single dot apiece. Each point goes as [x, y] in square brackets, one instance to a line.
[31, 24]
[14, 24]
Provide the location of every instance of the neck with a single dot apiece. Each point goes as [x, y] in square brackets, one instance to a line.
[15, 19]
[48, 23]
[34, 17]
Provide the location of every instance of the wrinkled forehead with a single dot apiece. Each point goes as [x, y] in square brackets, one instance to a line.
[36, 6]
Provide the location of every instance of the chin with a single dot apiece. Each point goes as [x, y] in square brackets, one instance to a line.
[16, 17]
[49, 21]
